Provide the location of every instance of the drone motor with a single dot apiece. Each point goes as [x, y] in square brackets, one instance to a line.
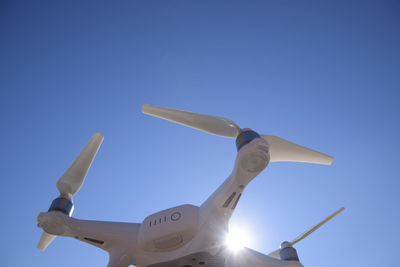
[63, 205]
[288, 253]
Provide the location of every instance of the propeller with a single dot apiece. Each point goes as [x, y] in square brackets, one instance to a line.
[279, 149]
[276, 254]
[70, 183]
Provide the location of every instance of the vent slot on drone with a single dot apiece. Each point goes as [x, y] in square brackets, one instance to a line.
[100, 242]
[229, 200]
[160, 220]
[236, 201]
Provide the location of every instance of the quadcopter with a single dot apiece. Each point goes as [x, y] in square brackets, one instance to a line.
[185, 235]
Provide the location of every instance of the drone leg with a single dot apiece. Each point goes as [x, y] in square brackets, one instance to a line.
[118, 258]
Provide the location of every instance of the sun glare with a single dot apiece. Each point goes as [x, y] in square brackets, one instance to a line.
[236, 239]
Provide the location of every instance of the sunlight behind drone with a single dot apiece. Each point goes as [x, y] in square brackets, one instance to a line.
[236, 239]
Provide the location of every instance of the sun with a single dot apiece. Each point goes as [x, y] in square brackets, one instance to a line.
[236, 239]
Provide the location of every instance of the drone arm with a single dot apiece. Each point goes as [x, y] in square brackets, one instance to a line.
[249, 257]
[250, 161]
[104, 235]
[219, 205]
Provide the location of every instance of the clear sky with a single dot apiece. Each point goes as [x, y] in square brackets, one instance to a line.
[324, 74]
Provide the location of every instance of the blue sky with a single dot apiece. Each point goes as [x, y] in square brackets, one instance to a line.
[324, 74]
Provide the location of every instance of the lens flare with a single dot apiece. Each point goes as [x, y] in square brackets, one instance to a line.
[236, 239]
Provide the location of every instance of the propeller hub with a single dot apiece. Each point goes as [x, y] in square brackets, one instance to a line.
[63, 205]
[285, 244]
[245, 137]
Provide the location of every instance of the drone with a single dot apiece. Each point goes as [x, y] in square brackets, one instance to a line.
[185, 235]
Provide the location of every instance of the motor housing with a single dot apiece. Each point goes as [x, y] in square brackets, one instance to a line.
[63, 205]
[288, 253]
[245, 137]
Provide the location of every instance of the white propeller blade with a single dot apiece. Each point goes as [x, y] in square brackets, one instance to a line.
[280, 149]
[73, 178]
[210, 124]
[283, 150]
[45, 240]
[315, 227]
[276, 253]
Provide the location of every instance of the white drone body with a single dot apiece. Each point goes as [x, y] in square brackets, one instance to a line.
[186, 235]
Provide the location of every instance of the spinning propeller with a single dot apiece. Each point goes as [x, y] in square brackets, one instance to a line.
[279, 149]
[70, 183]
[287, 252]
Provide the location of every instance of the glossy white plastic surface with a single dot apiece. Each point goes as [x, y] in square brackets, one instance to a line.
[283, 150]
[45, 240]
[73, 178]
[210, 124]
[169, 229]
